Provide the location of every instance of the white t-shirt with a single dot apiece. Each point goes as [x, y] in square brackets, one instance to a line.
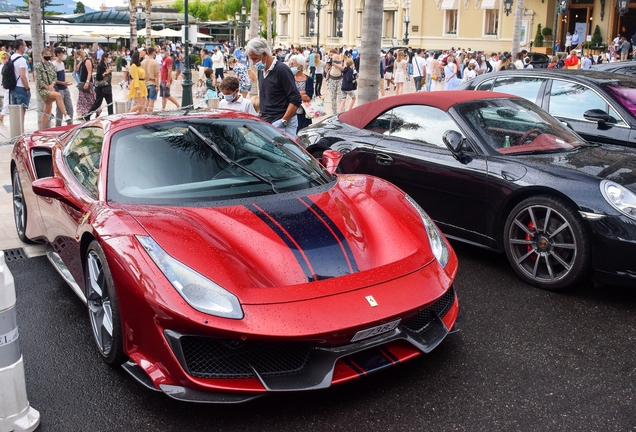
[241, 104]
[419, 66]
[19, 62]
[217, 60]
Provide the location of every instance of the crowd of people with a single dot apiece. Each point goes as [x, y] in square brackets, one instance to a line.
[288, 83]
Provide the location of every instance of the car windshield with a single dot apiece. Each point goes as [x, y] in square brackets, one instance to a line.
[624, 94]
[516, 126]
[201, 159]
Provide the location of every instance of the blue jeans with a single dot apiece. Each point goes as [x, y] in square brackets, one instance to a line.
[428, 82]
[19, 96]
[409, 70]
[152, 92]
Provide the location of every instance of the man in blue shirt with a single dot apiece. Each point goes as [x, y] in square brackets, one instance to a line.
[354, 53]
[237, 53]
[206, 60]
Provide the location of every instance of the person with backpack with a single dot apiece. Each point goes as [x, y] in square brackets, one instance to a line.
[349, 85]
[3, 91]
[14, 77]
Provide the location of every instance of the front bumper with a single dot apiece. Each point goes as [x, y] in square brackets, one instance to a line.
[323, 367]
[614, 249]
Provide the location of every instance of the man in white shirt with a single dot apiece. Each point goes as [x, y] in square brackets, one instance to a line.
[21, 94]
[419, 69]
[218, 63]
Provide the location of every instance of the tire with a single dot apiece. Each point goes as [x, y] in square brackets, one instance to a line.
[103, 307]
[19, 208]
[547, 243]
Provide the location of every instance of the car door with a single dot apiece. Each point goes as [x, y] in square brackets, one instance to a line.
[568, 101]
[78, 165]
[413, 156]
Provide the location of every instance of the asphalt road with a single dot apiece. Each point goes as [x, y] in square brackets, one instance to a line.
[527, 360]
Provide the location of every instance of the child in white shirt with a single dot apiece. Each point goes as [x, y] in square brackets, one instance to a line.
[231, 98]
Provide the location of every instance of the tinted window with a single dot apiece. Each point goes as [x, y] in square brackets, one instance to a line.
[382, 123]
[486, 85]
[571, 100]
[525, 87]
[83, 155]
[421, 123]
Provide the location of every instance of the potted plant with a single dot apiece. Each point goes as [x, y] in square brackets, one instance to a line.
[538, 39]
[547, 35]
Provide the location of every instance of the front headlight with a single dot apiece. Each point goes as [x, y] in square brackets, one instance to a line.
[620, 198]
[200, 292]
[435, 238]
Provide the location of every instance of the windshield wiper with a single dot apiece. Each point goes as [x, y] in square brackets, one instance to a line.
[282, 148]
[218, 151]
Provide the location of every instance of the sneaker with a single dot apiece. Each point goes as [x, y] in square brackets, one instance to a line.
[68, 119]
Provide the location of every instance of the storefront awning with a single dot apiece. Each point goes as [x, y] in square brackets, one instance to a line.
[490, 4]
[450, 4]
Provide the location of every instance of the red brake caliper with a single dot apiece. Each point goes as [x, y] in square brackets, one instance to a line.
[529, 238]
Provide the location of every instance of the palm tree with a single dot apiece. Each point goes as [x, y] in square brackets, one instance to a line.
[516, 33]
[132, 12]
[370, 49]
[269, 22]
[254, 18]
[35, 14]
[148, 24]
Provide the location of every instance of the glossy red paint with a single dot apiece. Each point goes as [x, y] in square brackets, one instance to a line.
[390, 260]
[361, 116]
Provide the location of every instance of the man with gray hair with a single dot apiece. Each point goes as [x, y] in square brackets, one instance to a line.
[279, 97]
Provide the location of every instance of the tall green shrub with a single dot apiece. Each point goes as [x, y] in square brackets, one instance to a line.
[538, 39]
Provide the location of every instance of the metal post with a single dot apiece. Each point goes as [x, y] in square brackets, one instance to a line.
[15, 412]
[16, 120]
[557, 11]
[120, 108]
[186, 85]
[318, 7]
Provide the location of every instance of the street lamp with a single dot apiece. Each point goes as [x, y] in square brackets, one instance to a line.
[260, 28]
[240, 22]
[186, 85]
[622, 6]
[319, 5]
[561, 8]
[507, 6]
[407, 21]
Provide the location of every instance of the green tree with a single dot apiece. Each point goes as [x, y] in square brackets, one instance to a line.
[538, 39]
[597, 38]
[79, 9]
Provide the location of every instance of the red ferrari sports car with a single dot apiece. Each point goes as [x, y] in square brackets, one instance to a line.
[220, 262]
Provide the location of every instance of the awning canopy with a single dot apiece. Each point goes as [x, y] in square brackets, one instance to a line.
[450, 4]
[490, 4]
[166, 33]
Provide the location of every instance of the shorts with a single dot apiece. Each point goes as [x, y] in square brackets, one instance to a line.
[19, 96]
[350, 93]
[152, 92]
[164, 90]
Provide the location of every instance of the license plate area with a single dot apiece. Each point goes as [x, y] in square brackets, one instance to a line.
[374, 331]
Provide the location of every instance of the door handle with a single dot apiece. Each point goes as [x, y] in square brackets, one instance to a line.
[383, 159]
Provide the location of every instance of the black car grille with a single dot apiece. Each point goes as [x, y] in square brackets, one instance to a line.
[424, 318]
[207, 357]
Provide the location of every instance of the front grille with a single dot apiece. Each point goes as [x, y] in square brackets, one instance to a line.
[207, 357]
[424, 318]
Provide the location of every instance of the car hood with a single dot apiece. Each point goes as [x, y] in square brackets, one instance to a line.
[610, 162]
[358, 233]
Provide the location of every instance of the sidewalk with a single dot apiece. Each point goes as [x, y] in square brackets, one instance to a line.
[8, 235]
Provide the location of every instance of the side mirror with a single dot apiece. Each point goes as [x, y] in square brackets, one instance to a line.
[331, 159]
[597, 115]
[455, 142]
[53, 187]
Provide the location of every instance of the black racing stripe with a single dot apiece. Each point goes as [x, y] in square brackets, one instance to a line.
[290, 244]
[323, 251]
[336, 230]
[371, 360]
[354, 367]
[389, 354]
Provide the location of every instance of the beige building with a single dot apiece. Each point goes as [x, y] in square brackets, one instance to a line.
[440, 24]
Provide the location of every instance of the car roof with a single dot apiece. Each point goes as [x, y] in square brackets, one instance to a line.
[583, 76]
[362, 115]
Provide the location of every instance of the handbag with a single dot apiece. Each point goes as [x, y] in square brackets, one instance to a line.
[315, 108]
[80, 86]
[434, 77]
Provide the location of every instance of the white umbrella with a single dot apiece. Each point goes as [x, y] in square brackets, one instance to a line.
[166, 33]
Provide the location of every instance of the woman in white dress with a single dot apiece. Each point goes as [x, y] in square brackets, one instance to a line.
[450, 73]
[400, 72]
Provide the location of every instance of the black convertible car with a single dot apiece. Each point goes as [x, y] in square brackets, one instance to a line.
[599, 106]
[496, 171]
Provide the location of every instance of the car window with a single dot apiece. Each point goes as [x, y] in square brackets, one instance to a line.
[486, 85]
[571, 100]
[623, 93]
[83, 155]
[201, 160]
[421, 123]
[525, 87]
[382, 123]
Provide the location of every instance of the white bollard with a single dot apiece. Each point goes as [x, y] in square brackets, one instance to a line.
[121, 107]
[15, 412]
[213, 103]
[16, 120]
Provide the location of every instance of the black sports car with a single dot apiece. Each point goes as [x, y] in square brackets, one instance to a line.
[600, 106]
[496, 171]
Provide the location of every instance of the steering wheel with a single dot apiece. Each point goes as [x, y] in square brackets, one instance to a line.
[524, 138]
